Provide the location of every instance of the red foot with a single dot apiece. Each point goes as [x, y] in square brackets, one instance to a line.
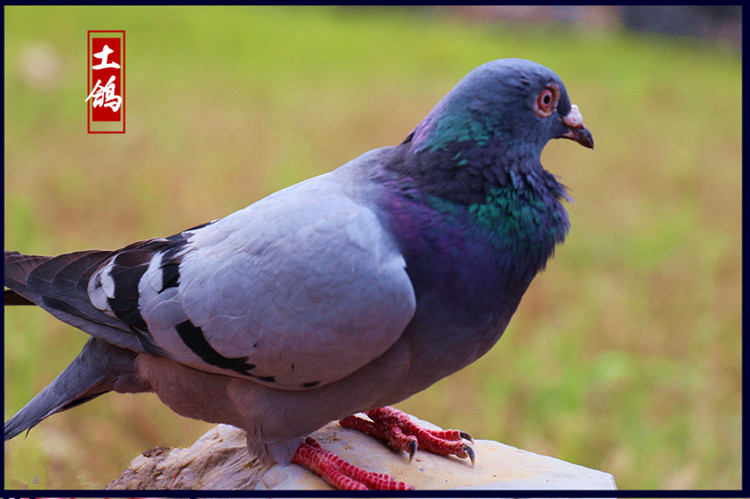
[396, 428]
[339, 473]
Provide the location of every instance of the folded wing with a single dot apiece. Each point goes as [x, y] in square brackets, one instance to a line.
[295, 291]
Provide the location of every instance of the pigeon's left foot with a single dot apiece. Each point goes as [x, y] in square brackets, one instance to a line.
[339, 473]
[396, 428]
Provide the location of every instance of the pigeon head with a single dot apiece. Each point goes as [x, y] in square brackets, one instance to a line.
[507, 103]
[497, 119]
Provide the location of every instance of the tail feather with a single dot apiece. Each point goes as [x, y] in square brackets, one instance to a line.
[67, 276]
[17, 269]
[99, 368]
[60, 286]
[13, 298]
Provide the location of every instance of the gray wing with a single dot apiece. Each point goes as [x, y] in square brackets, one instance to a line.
[295, 291]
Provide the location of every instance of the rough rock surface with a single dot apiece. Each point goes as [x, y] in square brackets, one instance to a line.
[219, 461]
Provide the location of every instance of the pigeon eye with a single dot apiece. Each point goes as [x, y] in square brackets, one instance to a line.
[545, 102]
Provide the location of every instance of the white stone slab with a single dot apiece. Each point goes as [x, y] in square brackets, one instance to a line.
[498, 466]
[219, 461]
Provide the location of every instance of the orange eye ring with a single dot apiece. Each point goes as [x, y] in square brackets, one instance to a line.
[546, 101]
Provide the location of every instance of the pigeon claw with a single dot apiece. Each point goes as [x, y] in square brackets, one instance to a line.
[413, 446]
[341, 474]
[396, 428]
[470, 452]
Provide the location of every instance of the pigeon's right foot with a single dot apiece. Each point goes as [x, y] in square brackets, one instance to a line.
[396, 428]
[339, 473]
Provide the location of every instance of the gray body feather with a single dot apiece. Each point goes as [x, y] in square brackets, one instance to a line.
[293, 303]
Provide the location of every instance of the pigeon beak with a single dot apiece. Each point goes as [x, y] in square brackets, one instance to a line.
[576, 131]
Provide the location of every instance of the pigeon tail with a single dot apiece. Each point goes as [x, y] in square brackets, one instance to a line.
[59, 286]
[98, 369]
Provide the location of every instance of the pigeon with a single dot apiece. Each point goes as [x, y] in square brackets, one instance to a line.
[334, 298]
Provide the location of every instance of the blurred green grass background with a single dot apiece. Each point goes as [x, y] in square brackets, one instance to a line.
[624, 355]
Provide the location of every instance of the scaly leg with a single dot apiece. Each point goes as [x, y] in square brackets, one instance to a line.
[339, 473]
[396, 428]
